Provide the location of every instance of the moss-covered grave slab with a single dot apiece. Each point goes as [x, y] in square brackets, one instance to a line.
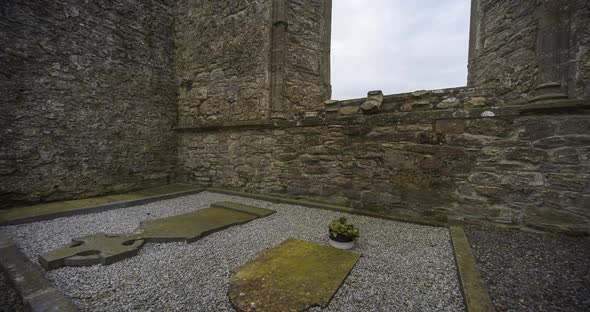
[295, 275]
[106, 249]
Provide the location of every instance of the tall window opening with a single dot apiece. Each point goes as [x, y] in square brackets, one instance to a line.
[398, 46]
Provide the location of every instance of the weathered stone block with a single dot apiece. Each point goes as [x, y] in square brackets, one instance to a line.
[390, 106]
[429, 138]
[369, 198]
[420, 105]
[491, 153]
[483, 211]
[523, 179]
[284, 156]
[560, 141]
[450, 126]
[484, 178]
[200, 93]
[566, 155]
[550, 219]
[569, 182]
[477, 101]
[414, 127]
[430, 163]
[311, 114]
[498, 127]
[466, 191]
[550, 142]
[578, 125]
[349, 110]
[397, 160]
[419, 93]
[532, 155]
[535, 129]
[449, 103]
[491, 192]
[373, 103]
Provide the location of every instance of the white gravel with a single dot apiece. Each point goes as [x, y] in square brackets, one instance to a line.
[404, 267]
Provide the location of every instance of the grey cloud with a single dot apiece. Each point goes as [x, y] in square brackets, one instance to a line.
[398, 46]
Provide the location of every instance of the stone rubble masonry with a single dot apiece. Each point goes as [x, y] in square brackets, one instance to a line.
[222, 51]
[507, 44]
[103, 96]
[92, 91]
[307, 68]
[522, 165]
[88, 99]
[421, 100]
[250, 60]
[38, 294]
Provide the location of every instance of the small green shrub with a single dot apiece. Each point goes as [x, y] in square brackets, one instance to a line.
[343, 227]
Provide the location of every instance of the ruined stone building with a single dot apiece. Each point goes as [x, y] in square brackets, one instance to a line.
[108, 96]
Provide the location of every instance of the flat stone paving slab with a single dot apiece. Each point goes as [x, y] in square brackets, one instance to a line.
[191, 226]
[90, 250]
[474, 290]
[105, 249]
[292, 276]
[17, 214]
[261, 212]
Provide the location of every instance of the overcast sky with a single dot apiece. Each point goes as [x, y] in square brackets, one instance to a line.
[398, 45]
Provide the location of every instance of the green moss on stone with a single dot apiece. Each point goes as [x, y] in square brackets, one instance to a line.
[474, 291]
[293, 276]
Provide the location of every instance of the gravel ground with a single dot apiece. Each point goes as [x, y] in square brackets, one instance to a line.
[533, 272]
[10, 301]
[404, 267]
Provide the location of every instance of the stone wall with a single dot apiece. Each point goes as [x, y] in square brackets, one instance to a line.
[516, 45]
[91, 91]
[251, 60]
[307, 67]
[580, 86]
[450, 151]
[88, 97]
[499, 58]
[222, 60]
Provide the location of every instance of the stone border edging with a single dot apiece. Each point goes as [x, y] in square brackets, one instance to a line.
[38, 294]
[36, 291]
[321, 205]
[99, 208]
[475, 294]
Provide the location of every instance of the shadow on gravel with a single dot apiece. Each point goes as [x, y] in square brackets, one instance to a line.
[10, 301]
[532, 272]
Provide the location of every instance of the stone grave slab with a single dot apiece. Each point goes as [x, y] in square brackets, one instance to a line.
[295, 275]
[193, 225]
[93, 249]
[105, 249]
[261, 212]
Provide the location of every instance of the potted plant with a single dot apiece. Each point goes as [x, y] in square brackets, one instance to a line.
[342, 233]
